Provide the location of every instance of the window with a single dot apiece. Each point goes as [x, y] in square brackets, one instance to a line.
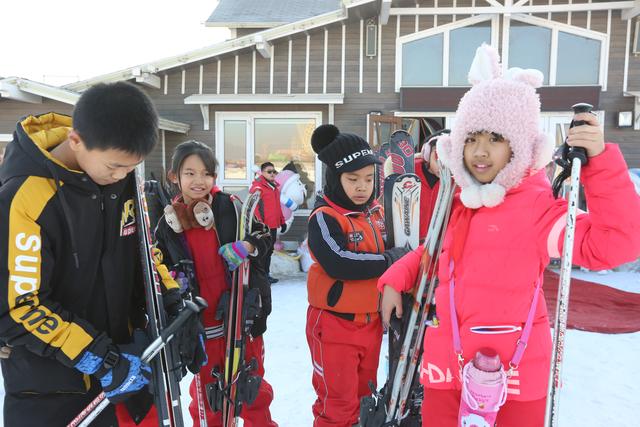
[284, 141]
[246, 140]
[235, 149]
[463, 44]
[422, 62]
[566, 55]
[442, 56]
[530, 47]
[578, 60]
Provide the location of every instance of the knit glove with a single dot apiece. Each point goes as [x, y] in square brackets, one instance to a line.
[120, 370]
[233, 253]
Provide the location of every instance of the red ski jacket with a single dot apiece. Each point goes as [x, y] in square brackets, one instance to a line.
[429, 186]
[270, 211]
[499, 253]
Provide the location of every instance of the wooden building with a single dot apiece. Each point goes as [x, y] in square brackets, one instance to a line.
[367, 66]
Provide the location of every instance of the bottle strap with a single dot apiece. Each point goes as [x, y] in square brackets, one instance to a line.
[521, 344]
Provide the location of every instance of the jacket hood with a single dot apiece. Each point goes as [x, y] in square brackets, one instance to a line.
[29, 152]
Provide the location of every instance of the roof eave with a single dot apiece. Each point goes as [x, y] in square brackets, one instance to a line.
[70, 97]
[220, 24]
[226, 46]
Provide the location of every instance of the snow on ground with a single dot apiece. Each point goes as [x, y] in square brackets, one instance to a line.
[601, 372]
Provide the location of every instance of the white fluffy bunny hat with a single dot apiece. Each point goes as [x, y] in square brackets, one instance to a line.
[505, 104]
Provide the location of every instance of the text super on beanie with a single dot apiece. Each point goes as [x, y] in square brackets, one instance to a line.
[341, 152]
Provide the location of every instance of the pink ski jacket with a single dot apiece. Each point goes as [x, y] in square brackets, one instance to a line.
[501, 254]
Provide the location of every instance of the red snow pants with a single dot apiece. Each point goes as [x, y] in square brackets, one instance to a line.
[440, 409]
[254, 415]
[124, 419]
[345, 358]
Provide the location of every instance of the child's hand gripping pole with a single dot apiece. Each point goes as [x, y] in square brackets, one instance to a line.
[566, 154]
[98, 404]
[576, 157]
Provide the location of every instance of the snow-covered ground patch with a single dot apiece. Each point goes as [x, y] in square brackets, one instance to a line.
[601, 372]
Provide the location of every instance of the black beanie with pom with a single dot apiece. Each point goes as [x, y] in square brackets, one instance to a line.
[341, 152]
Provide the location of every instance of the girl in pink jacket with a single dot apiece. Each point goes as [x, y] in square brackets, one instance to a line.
[505, 226]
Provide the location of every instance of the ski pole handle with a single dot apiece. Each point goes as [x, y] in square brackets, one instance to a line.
[97, 405]
[167, 333]
[579, 152]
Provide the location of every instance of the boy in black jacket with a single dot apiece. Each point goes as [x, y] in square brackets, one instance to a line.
[70, 276]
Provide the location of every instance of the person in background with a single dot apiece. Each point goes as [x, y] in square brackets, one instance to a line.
[426, 166]
[269, 211]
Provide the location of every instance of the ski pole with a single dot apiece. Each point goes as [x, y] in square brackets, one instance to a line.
[93, 409]
[576, 157]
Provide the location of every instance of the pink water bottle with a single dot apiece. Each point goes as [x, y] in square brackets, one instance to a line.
[484, 390]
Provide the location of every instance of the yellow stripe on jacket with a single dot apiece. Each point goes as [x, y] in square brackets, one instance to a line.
[24, 266]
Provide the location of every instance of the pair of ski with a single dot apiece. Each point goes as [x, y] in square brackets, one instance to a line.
[235, 385]
[399, 190]
[398, 402]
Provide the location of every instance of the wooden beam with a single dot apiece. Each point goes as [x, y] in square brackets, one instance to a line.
[12, 91]
[385, 7]
[149, 80]
[632, 12]
[263, 47]
[204, 109]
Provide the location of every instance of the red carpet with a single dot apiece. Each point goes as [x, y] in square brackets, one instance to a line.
[594, 307]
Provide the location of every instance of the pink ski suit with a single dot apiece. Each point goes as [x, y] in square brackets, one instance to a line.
[501, 254]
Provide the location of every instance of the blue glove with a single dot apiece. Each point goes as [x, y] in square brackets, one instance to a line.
[233, 253]
[120, 370]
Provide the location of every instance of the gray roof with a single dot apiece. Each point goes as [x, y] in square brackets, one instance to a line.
[267, 13]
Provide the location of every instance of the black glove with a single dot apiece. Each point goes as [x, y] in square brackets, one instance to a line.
[172, 300]
[190, 340]
[283, 228]
[260, 240]
[394, 254]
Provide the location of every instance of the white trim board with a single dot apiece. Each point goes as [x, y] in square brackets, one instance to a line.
[297, 98]
[509, 10]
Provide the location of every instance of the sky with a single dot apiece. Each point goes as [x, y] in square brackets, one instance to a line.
[68, 40]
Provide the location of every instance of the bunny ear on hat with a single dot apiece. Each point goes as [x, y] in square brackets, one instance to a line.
[485, 65]
[530, 76]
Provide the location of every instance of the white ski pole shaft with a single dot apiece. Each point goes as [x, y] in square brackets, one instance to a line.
[562, 307]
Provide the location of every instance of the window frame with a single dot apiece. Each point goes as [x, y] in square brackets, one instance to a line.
[445, 30]
[556, 27]
[249, 117]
